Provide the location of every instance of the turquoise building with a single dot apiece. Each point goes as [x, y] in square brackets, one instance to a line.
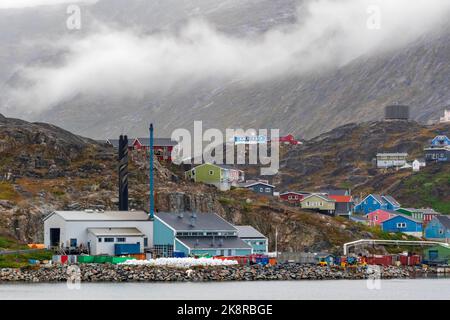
[196, 234]
[254, 238]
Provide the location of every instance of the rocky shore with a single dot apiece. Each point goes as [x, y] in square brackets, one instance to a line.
[127, 273]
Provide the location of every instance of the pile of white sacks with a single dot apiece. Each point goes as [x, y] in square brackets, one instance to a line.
[182, 262]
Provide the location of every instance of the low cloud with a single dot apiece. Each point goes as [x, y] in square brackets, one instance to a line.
[128, 63]
[15, 4]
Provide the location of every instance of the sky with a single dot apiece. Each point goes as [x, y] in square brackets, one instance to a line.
[14, 4]
[128, 63]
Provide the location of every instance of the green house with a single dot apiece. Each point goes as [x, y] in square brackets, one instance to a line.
[437, 255]
[221, 176]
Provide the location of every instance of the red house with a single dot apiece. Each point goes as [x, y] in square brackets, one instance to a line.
[292, 197]
[376, 217]
[162, 147]
[289, 139]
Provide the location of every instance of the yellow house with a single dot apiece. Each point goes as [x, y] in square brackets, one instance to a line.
[318, 202]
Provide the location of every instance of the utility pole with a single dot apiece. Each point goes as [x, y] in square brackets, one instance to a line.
[276, 242]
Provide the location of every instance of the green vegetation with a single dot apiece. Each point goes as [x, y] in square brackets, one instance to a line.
[429, 189]
[7, 191]
[22, 260]
[10, 244]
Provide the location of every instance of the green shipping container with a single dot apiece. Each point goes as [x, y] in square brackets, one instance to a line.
[116, 260]
[101, 259]
[86, 259]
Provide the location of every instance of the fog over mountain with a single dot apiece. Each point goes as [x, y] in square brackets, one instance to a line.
[301, 66]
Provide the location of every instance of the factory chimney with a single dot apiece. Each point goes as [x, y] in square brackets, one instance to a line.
[123, 173]
[152, 195]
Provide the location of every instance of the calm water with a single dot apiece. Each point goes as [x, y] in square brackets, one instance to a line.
[342, 289]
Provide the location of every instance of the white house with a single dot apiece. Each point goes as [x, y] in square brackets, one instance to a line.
[390, 160]
[416, 165]
[91, 229]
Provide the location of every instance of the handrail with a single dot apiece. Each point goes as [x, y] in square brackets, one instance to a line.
[397, 242]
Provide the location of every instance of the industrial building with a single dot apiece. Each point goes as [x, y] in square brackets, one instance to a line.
[97, 232]
[253, 237]
[396, 113]
[196, 234]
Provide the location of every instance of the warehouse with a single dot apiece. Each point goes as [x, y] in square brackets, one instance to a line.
[89, 230]
[196, 234]
[253, 237]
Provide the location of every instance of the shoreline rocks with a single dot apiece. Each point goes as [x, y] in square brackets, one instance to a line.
[127, 273]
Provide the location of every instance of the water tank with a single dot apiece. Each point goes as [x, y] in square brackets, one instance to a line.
[396, 112]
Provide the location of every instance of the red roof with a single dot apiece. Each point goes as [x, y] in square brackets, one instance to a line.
[341, 198]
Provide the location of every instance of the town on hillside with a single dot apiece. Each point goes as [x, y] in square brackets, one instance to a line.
[93, 235]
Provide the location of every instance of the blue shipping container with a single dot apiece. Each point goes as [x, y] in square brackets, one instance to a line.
[178, 254]
[127, 248]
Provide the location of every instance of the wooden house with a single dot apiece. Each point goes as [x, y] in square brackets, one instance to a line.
[343, 205]
[439, 149]
[438, 229]
[262, 188]
[425, 214]
[377, 217]
[404, 224]
[374, 202]
[391, 160]
[223, 177]
[319, 202]
[292, 197]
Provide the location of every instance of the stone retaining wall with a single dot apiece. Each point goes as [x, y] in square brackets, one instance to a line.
[124, 273]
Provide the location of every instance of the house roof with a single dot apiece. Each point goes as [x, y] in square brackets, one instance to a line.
[335, 192]
[115, 232]
[422, 210]
[158, 142]
[388, 211]
[219, 243]
[259, 182]
[402, 215]
[204, 221]
[101, 216]
[391, 200]
[295, 192]
[345, 199]
[392, 154]
[320, 196]
[248, 232]
[444, 220]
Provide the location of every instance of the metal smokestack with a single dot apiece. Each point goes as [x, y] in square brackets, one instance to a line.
[152, 195]
[123, 173]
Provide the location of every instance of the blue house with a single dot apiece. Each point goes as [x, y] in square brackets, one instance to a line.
[192, 234]
[261, 188]
[374, 202]
[254, 238]
[391, 203]
[438, 229]
[403, 223]
[440, 141]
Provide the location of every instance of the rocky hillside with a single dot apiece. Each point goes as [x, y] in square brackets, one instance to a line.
[33, 184]
[344, 158]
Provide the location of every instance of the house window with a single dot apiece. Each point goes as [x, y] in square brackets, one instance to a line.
[441, 231]
[109, 239]
[376, 218]
[99, 239]
[73, 242]
[121, 240]
[401, 225]
[145, 242]
[261, 189]
[211, 172]
[267, 189]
